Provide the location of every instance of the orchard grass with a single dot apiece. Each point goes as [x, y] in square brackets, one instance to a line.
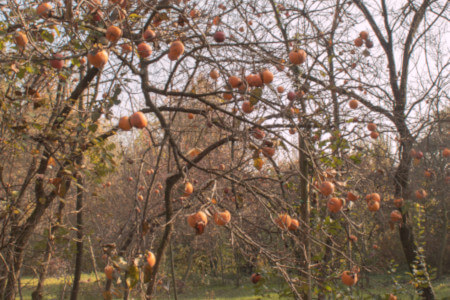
[380, 286]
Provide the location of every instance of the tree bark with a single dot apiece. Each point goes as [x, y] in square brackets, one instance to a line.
[172, 269]
[79, 241]
[305, 208]
[414, 260]
[441, 257]
[37, 293]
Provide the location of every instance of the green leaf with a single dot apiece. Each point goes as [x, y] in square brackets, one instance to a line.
[255, 95]
[356, 158]
[93, 127]
[47, 36]
[76, 62]
[134, 17]
[30, 69]
[132, 276]
[21, 73]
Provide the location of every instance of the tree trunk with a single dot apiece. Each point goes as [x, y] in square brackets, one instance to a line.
[19, 239]
[170, 182]
[189, 264]
[79, 242]
[414, 260]
[441, 257]
[305, 208]
[172, 269]
[37, 294]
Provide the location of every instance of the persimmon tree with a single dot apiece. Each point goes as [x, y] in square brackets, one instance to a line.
[238, 108]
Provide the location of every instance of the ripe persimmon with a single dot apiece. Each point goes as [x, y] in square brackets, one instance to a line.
[398, 202]
[372, 126]
[151, 259]
[219, 36]
[267, 76]
[268, 151]
[255, 278]
[109, 270]
[21, 40]
[214, 74]
[247, 107]
[222, 218]
[254, 80]
[198, 221]
[349, 278]
[374, 135]
[44, 10]
[353, 104]
[57, 62]
[335, 204]
[364, 35]
[126, 48]
[283, 221]
[113, 33]
[297, 57]
[280, 89]
[227, 96]
[124, 123]
[148, 35]
[326, 188]
[446, 152]
[358, 42]
[144, 50]
[176, 49]
[396, 216]
[138, 120]
[258, 134]
[234, 81]
[373, 205]
[373, 197]
[188, 189]
[421, 194]
[294, 224]
[352, 197]
[98, 58]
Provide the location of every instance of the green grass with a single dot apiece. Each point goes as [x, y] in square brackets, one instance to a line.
[55, 287]
[90, 289]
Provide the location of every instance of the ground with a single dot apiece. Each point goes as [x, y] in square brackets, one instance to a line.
[90, 289]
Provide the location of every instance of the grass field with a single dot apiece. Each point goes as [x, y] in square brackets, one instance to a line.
[59, 288]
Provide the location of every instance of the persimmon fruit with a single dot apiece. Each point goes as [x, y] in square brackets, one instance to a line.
[98, 58]
[138, 120]
[297, 57]
[124, 123]
[198, 221]
[113, 33]
[326, 188]
[144, 50]
[349, 278]
[283, 221]
[222, 218]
